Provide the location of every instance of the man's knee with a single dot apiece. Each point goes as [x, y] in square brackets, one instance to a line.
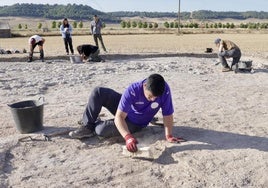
[222, 54]
[106, 129]
[100, 93]
[96, 91]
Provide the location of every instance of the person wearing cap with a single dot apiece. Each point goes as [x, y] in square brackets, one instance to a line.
[89, 52]
[33, 42]
[66, 31]
[96, 25]
[228, 49]
[133, 111]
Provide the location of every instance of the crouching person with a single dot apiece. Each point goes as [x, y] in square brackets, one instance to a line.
[133, 111]
[89, 53]
[228, 49]
[33, 42]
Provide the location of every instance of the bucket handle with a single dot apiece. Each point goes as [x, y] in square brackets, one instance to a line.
[42, 99]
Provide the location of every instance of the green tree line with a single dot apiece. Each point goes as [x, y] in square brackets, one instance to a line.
[79, 12]
[206, 14]
[73, 11]
[140, 24]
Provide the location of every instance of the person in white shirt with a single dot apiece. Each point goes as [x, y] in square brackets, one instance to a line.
[66, 31]
[33, 42]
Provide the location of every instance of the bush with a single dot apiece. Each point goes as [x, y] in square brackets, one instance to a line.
[123, 24]
[134, 24]
[128, 24]
[166, 24]
[145, 25]
[264, 26]
[80, 25]
[140, 24]
[39, 26]
[75, 24]
[54, 24]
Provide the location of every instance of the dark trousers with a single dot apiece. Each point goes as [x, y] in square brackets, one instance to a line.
[68, 43]
[108, 98]
[32, 47]
[96, 37]
[234, 53]
[95, 56]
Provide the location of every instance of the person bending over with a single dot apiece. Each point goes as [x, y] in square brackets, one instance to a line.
[33, 42]
[89, 53]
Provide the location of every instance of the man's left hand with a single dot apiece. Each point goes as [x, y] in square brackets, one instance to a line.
[173, 139]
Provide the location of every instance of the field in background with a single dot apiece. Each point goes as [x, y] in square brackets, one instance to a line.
[114, 29]
[250, 44]
[135, 41]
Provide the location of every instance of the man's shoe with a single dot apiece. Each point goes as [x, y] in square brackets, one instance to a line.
[30, 59]
[226, 69]
[235, 68]
[82, 132]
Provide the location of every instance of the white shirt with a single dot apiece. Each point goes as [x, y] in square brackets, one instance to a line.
[37, 38]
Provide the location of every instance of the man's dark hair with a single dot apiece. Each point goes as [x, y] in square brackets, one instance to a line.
[79, 49]
[155, 83]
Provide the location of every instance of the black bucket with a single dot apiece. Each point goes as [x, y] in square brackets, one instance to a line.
[245, 64]
[28, 115]
[209, 50]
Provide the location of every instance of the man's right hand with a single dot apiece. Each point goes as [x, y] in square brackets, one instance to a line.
[131, 143]
[173, 139]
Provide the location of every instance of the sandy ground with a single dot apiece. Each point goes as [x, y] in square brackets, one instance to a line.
[222, 115]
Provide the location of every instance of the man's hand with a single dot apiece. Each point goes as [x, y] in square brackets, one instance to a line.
[172, 139]
[131, 143]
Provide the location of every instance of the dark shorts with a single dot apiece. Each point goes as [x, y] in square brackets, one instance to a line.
[40, 43]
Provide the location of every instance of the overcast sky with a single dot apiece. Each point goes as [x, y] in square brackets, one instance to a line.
[158, 5]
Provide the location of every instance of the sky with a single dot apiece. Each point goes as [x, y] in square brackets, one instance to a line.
[158, 5]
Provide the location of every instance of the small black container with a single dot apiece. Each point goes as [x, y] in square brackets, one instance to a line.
[209, 50]
[28, 115]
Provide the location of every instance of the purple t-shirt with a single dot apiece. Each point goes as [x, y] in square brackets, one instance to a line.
[139, 110]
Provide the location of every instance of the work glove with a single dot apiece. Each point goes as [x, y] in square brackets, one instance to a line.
[173, 139]
[131, 143]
